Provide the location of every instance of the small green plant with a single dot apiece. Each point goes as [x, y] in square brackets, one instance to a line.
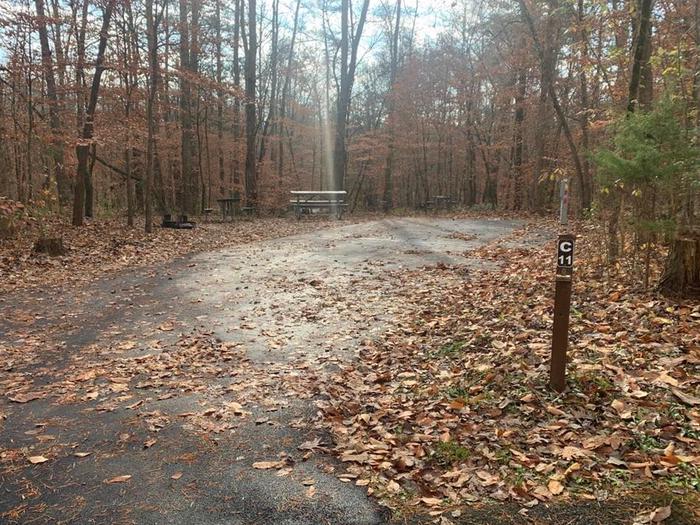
[451, 349]
[504, 455]
[457, 392]
[449, 452]
[688, 477]
[595, 385]
[646, 443]
[677, 413]
[618, 477]
[519, 475]
[581, 481]
[691, 433]
[603, 382]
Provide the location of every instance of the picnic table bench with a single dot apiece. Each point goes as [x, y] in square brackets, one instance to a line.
[309, 202]
[231, 207]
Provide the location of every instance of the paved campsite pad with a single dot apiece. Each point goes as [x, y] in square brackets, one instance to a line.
[191, 387]
[213, 357]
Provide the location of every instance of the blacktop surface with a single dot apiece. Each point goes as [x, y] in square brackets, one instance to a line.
[184, 376]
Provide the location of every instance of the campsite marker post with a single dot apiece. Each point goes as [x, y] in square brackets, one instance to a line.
[562, 297]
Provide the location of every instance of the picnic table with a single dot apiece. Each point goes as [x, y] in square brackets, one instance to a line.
[444, 202]
[438, 202]
[309, 202]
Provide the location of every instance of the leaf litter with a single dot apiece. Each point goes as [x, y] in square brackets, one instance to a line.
[452, 405]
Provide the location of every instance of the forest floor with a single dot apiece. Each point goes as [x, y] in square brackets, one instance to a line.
[283, 381]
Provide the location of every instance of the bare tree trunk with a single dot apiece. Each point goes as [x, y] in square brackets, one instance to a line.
[30, 122]
[547, 76]
[237, 103]
[518, 169]
[89, 184]
[555, 102]
[219, 105]
[57, 145]
[152, 23]
[201, 188]
[339, 152]
[60, 56]
[587, 182]
[285, 96]
[206, 196]
[130, 197]
[79, 183]
[682, 273]
[129, 80]
[186, 150]
[642, 53]
[193, 69]
[349, 45]
[389, 166]
[82, 148]
[274, 67]
[251, 189]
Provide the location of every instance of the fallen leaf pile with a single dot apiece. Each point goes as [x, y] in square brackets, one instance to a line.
[452, 406]
[116, 378]
[130, 378]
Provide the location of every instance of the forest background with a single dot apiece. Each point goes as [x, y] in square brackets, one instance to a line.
[126, 108]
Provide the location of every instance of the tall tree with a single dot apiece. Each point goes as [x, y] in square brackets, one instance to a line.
[57, 144]
[388, 168]
[585, 198]
[638, 91]
[152, 23]
[238, 17]
[349, 45]
[219, 100]
[82, 148]
[251, 186]
[187, 170]
[285, 93]
[269, 122]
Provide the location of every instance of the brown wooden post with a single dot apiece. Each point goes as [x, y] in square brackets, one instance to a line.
[562, 308]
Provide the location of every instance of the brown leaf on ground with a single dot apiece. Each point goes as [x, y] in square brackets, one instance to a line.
[661, 514]
[265, 465]
[686, 398]
[119, 479]
[25, 397]
[555, 487]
